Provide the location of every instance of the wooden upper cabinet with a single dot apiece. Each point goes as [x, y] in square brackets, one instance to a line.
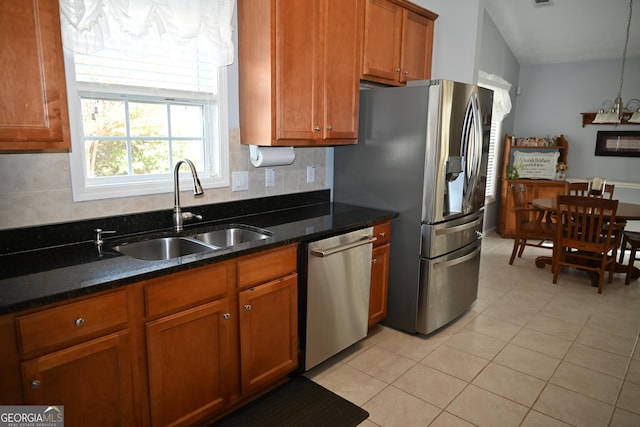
[341, 81]
[33, 111]
[299, 71]
[417, 47]
[397, 43]
[381, 42]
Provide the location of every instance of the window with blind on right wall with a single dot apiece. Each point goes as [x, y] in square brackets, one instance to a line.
[501, 108]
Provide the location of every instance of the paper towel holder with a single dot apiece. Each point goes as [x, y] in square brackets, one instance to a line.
[271, 156]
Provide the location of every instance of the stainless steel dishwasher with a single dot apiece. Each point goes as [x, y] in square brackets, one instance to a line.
[337, 294]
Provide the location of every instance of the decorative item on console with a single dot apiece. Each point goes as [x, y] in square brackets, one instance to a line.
[534, 141]
[561, 171]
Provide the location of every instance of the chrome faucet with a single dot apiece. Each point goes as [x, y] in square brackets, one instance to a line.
[178, 215]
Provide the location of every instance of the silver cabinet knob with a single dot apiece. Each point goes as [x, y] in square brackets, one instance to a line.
[382, 234]
[317, 128]
[397, 70]
[405, 72]
[329, 128]
[226, 316]
[374, 261]
[35, 384]
[79, 322]
[247, 307]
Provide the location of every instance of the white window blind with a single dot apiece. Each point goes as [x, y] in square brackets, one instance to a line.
[501, 108]
[492, 172]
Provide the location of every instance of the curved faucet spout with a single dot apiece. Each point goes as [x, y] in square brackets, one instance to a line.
[178, 216]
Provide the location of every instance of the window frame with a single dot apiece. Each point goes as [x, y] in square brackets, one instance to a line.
[86, 189]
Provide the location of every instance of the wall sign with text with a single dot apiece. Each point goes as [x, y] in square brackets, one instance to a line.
[536, 165]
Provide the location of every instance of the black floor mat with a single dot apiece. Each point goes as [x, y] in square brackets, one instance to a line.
[298, 403]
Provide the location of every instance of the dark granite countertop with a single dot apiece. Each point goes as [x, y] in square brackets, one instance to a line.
[42, 265]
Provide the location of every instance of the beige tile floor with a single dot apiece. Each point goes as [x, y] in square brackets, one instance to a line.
[528, 353]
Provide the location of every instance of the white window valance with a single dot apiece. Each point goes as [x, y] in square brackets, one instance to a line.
[501, 98]
[175, 26]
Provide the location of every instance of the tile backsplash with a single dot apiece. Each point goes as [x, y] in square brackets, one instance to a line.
[36, 188]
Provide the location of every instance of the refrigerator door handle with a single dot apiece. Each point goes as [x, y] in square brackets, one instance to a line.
[445, 264]
[458, 228]
[472, 147]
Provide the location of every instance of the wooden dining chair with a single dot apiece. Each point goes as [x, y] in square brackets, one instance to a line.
[631, 239]
[531, 228]
[582, 189]
[586, 236]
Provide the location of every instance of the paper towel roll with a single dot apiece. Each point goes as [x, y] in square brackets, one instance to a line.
[271, 156]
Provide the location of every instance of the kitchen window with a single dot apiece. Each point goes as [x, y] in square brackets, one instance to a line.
[146, 86]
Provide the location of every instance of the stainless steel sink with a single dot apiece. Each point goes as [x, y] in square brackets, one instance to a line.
[162, 248]
[231, 236]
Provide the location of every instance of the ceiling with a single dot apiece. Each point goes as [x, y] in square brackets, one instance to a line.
[566, 30]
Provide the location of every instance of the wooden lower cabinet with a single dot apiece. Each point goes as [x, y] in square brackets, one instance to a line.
[92, 380]
[177, 350]
[379, 273]
[268, 332]
[379, 284]
[189, 362]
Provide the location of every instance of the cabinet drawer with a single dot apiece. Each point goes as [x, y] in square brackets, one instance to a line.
[266, 266]
[383, 233]
[186, 289]
[72, 322]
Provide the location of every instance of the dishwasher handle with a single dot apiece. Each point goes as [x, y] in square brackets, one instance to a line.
[330, 251]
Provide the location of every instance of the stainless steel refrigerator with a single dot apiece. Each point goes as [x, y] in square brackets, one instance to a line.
[423, 152]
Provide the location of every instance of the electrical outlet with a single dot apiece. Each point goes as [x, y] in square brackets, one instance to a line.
[269, 177]
[240, 181]
[311, 174]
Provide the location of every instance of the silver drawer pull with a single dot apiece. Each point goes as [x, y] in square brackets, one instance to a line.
[79, 322]
[247, 307]
[458, 228]
[330, 251]
[457, 261]
[35, 384]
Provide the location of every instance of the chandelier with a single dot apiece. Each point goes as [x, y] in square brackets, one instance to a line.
[613, 111]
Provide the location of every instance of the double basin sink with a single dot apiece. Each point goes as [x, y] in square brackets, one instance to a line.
[164, 248]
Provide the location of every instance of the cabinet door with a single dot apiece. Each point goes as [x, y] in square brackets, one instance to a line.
[342, 27]
[297, 64]
[417, 42]
[33, 111]
[93, 381]
[188, 360]
[379, 284]
[381, 44]
[268, 332]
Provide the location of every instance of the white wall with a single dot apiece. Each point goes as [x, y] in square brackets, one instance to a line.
[554, 95]
[495, 57]
[456, 38]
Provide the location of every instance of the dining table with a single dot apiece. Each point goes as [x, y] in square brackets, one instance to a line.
[626, 212]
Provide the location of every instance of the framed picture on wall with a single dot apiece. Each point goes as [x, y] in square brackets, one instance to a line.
[618, 143]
